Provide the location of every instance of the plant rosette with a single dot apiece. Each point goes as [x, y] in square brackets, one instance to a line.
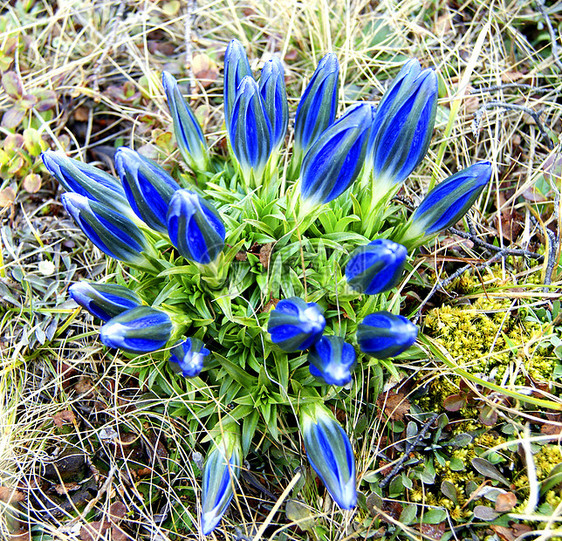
[267, 289]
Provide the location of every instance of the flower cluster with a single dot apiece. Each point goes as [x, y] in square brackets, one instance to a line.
[181, 240]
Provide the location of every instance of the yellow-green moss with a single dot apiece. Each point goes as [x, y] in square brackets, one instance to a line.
[548, 457]
[488, 339]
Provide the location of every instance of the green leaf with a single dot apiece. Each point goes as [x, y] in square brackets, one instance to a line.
[449, 490]
[408, 515]
[396, 487]
[554, 479]
[249, 425]
[13, 117]
[12, 84]
[301, 514]
[487, 469]
[234, 371]
[434, 516]
[456, 464]
[282, 365]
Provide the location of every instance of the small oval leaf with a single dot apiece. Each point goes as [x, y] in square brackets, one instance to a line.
[487, 469]
[12, 84]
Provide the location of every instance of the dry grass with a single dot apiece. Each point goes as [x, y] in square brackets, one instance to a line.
[86, 52]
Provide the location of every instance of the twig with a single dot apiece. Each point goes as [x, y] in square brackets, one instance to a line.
[400, 464]
[553, 39]
[512, 107]
[239, 536]
[507, 86]
[513, 252]
[443, 283]
[252, 480]
[190, 8]
[551, 261]
[277, 505]
[552, 251]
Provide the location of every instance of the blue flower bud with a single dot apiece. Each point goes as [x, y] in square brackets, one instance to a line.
[395, 93]
[450, 200]
[111, 232]
[139, 330]
[332, 360]
[250, 131]
[189, 356]
[403, 124]
[195, 227]
[104, 300]
[148, 187]
[188, 133]
[330, 454]
[220, 473]
[86, 180]
[295, 325]
[236, 67]
[376, 267]
[383, 335]
[334, 161]
[272, 90]
[317, 107]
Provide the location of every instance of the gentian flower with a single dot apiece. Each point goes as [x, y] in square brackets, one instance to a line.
[104, 300]
[148, 187]
[334, 161]
[317, 107]
[187, 131]
[236, 67]
[295, 325]
[272, 90]
[111, 232]
[249, 130]
[195, 227]
[189, 356]
[395, 93]
[332, 359]
[376, 267]
[330, 454]
[403, 125]
[139, 330]
[220, 473]
[383, 335]
[86, 180]
[450, 200]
